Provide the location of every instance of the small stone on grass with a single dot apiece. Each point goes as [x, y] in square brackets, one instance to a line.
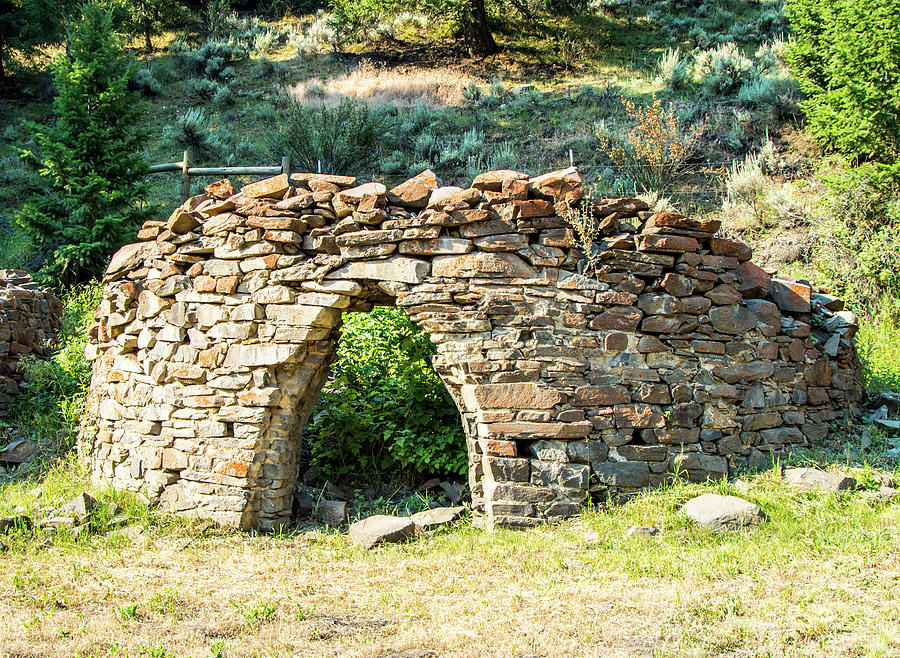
[719, 513]
[812, 479]
[380, 529]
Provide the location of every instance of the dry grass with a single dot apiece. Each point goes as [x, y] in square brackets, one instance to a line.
[820, 578]
[397, 86]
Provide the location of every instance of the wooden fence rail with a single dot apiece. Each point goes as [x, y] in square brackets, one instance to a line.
[187, 172]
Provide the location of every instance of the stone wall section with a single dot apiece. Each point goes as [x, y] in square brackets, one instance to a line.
[29, 318]
[216, 331]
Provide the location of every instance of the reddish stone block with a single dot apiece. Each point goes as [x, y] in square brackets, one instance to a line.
[600, 396]
[638, 416]
[666, 243]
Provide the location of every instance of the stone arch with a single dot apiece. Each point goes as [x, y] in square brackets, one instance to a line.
[216, 331]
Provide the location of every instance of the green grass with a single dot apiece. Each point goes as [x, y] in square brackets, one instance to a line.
[878, 343]
[815, 578]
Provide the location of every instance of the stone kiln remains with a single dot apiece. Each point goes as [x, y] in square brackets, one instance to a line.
[216, 332]
[29, 317]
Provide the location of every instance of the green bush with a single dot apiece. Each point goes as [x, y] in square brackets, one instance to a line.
[53, 402]
[386, 413]
[858, 236]
[846, 57]
[878, 343]
[346, 139]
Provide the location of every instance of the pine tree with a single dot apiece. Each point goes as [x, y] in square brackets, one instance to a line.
[846, 57]
[88, 161]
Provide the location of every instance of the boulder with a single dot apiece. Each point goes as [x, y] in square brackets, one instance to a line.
[381, 529]
[812, 479]
[437, 516]
[18, 451]
[719, 513]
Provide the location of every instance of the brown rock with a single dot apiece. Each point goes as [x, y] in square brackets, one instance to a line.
[676, 221]
[562, 185]
[493, 180]
[269, 188]
[734, 319]
[722, 247]
[415, 192]
[597, 396]
[534, 208]
[182, 221]
[620, 318]
[516, 396]
[791, 296]
[638, 416]
[220, 190]
[666, 243]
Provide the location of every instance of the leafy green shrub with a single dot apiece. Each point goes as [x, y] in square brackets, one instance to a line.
[54, 398]
[858, 253]
[345, 139]
[386, 412]
[653, 153]
[846, 57]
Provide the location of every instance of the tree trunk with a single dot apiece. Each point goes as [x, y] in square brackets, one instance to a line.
[148, 27]
[148, 45]
[477, 32]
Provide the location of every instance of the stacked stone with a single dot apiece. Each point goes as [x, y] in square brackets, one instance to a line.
[676, 354]
[29, 318]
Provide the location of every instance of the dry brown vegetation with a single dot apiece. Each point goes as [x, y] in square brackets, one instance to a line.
[820, 578]
[379, 86]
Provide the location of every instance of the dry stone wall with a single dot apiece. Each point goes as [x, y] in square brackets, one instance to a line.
[29, 317]
[676, 354]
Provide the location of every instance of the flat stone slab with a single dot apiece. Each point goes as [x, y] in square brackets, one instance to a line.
[719, 513]
[381, 529]
[437, 516]
[812, 479]
[18, 451]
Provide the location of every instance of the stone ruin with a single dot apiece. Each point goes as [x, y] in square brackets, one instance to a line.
[29, 317]
[674, 355]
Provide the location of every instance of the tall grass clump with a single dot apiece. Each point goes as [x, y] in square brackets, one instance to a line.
[673, 70]
[345, 139]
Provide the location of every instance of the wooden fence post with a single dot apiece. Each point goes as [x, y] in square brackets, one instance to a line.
[185, 177]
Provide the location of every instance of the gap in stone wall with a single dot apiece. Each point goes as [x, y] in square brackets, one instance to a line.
[378, 481]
